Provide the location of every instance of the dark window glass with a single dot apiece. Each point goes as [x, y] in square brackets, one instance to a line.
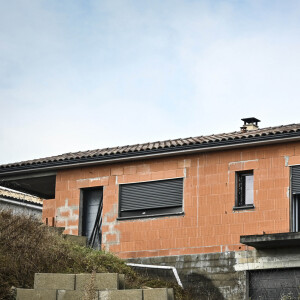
[295, 194]
[244, 188]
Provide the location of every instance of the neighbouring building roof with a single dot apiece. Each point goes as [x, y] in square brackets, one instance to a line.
[168, 147]
[18, 196]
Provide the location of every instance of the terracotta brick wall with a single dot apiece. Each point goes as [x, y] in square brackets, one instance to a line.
[209, 223]
[49, 212]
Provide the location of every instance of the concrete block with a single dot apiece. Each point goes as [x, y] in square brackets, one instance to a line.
[121, 282]
[52, 281]
[121, 295]
[28, 294]
[103, 281]
[158, 294]
[74, 295]
[171, 294]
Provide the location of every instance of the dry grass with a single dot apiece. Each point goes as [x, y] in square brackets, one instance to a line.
[27, 247]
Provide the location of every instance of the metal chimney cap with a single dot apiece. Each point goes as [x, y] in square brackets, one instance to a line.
[250, 120]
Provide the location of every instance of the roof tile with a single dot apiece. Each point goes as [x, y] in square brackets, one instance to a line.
[160, 144]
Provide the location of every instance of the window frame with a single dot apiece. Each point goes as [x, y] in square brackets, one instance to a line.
[155, 214]
[294, 187]
[238, 176]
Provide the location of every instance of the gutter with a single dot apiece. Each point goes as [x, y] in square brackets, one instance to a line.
[27, 205]
[154, 153]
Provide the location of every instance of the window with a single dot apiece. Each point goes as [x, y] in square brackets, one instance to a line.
[152, 198]
[295, 194]
[244, 189]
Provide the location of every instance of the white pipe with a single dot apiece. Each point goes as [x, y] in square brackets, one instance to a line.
[158, 267]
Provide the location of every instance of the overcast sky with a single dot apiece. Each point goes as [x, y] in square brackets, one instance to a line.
[80, 75]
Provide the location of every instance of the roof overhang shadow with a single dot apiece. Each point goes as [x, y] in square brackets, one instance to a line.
[41, 185]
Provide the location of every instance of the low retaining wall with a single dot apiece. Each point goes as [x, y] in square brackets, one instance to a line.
[211, 275]
[221, 275]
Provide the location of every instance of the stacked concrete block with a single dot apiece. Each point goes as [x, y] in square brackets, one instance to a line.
[161, 293]
[101, 286]
[52, 281]
[75, 295]
[145, 294]
[101, 281]
[26, 294]
[121, 295]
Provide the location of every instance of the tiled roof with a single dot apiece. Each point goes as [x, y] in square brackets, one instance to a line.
[236, 137]
[8, 193]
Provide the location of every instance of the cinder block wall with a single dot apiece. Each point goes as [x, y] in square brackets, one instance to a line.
[209, 223]
[210, 275]
[224, 275]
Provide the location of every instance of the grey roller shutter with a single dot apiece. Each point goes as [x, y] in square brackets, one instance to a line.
[296, 180]
[153, 195]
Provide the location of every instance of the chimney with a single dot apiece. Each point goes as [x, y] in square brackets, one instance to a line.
[249, 124]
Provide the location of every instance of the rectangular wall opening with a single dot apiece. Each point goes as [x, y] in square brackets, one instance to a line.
[151, 198]
[295, 198]
[296, 213]
[91, 216]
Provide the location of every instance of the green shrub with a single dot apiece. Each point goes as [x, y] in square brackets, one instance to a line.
[28, 247]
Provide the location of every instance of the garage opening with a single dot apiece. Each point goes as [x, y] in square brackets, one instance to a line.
[91, 216]
[274, 284]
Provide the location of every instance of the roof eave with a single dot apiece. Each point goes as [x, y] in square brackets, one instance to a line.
[148, 154]
[24, 203]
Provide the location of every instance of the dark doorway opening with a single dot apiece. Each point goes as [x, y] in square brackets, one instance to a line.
[296, 213]
[91, 206]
